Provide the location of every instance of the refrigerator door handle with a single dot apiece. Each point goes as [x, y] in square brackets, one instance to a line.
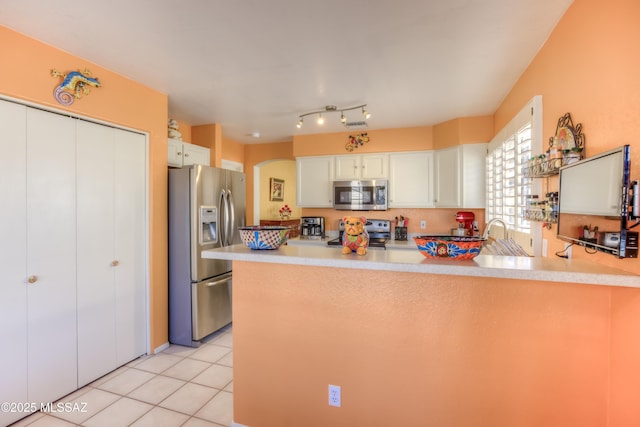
[217, 282]
[232, 216]
[227, 226]
[222, 212]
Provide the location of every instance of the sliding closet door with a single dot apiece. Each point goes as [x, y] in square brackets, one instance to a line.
[51, 255]
[96, 266]
[13, 261]
[130, 244]
[111, 248]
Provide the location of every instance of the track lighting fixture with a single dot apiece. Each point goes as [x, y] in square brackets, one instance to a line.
[331, 109]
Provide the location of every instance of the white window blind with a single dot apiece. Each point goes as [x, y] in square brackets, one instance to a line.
[506, 185]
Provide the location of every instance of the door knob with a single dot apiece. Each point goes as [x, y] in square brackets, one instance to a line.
[115, 263]
[32, 279]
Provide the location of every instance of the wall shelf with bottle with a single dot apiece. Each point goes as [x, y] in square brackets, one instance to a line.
[565, 147]
[545, 211]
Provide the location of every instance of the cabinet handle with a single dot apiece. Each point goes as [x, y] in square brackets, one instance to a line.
[179, 153]
[32, 279]
[115, 263]
[186, 154]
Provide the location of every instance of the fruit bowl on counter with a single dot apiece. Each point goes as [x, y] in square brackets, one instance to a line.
[449, 247]
[261, 237]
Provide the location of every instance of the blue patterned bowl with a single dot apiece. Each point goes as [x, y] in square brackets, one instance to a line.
[264, 237]
[449, 247]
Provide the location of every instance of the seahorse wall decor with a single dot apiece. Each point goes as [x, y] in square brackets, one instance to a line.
[74, 85]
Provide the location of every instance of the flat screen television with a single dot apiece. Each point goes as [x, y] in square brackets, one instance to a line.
[594, 203]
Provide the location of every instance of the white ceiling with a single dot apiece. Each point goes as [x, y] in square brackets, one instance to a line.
[256, 65]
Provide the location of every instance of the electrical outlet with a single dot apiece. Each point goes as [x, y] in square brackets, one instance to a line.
[423, 224]
[334, 395]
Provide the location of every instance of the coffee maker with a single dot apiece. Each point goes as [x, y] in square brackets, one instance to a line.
[312, 227]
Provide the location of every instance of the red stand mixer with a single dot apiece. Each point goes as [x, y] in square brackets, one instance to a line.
[465, 221]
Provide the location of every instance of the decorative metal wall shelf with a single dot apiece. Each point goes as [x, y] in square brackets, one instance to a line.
[565, 147]
[539, 215]
[548, 167]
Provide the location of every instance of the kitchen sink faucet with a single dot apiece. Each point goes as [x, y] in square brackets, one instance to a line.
[487, 229]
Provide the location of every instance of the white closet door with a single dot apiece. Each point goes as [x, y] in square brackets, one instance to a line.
[13, 262]
[96, 267]
[51, 255]
[130, 249]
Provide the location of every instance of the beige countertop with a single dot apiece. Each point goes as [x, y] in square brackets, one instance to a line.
[520, 268]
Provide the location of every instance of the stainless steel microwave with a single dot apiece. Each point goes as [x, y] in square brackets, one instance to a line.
[360, 195]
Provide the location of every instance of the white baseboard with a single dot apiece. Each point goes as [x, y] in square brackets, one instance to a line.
[235, 424]
[162, 347]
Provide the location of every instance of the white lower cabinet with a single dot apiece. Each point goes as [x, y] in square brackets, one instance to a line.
[411, 179]
[53, 253]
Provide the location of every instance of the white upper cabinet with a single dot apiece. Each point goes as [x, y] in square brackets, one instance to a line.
[460, 176]
[314, 181]
[184, 154]
[411, 179]
[366, 166]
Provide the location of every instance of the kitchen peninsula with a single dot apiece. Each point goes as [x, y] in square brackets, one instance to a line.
[410, 341]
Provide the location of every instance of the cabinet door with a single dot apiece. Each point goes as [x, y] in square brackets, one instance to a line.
[13, 263]
[374, 166]
[347, 167]
[366, 166]
[411, 180]
[314, 176]
[474, 166]
[448, 180]
[51, 255]
[175, 153]
[195, 155]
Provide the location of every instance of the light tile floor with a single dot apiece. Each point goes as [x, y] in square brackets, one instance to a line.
[181, 386]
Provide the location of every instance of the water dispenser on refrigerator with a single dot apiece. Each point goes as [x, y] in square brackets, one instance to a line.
[208, 225]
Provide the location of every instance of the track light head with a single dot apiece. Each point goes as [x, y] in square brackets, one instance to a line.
[343, 119]
[320, 119]
[299, 125]
[365, 113]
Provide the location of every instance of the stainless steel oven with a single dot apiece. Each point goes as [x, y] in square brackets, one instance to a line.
[360, 195]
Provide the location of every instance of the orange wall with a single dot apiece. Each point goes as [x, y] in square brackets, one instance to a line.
[381, 140]
[430, 350]
[588, 68]
[466, 130]
[27, 76]
[232, 150]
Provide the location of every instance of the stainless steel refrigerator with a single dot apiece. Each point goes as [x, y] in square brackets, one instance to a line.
[206, 207]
